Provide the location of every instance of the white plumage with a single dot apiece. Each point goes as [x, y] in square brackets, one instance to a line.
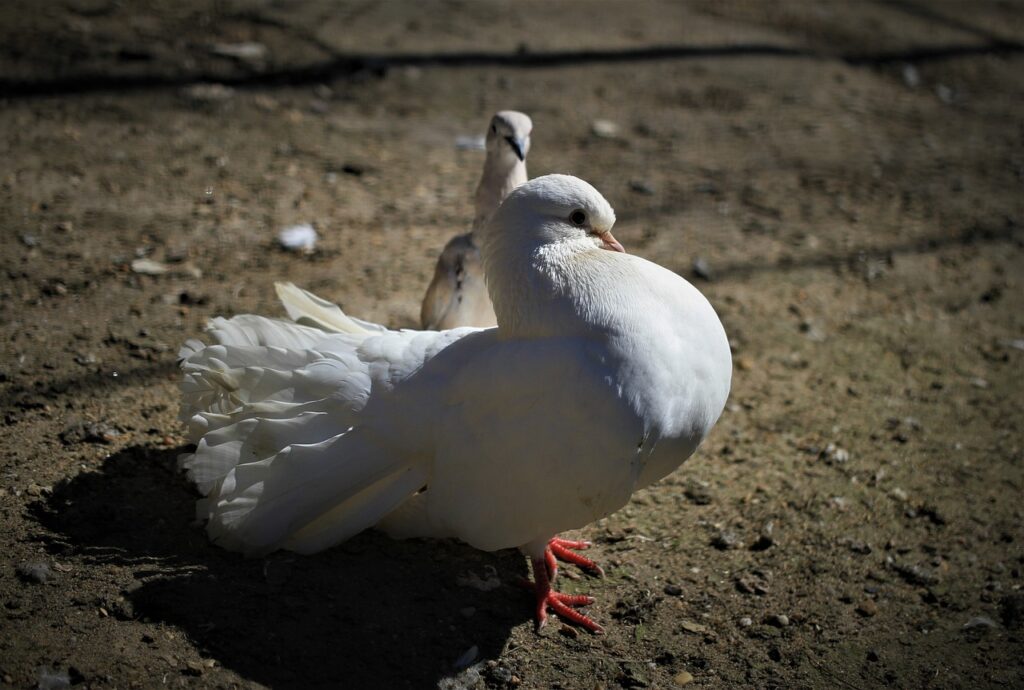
[606, 371]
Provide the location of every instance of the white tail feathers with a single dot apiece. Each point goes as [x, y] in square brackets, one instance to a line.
[306, 496]
[274, 410]
[307, 309]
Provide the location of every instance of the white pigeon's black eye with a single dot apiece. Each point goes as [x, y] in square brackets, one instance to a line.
[577, 217]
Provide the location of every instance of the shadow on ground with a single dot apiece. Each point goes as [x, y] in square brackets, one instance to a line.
[351, 65]
[370, 613]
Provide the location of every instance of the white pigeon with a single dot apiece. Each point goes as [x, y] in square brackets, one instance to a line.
[457, 295]
[605, 372]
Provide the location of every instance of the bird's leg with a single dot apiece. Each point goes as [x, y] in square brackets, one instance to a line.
[550, 563]
[560, 604]
[565, 549]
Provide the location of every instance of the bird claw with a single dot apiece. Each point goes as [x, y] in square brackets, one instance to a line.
[565, 550]
[562, 605]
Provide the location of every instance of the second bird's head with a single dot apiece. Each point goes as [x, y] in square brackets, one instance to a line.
[509, 135]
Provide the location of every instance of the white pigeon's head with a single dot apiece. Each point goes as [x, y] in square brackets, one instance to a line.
[555, 209]
[509, 135]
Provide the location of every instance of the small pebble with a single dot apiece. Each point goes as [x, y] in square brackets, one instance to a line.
[834, 455]
[52, 679]
[36, 573]
[78, 431]
[148, 267]
[725, 540]
[696, 628]
[34, 490]
[779, 620]
[912, 573]
[765, 540]
[751, 584]
[207, 93]
[641, 187]
[604, 129]
[858, 547]
[746, 622]
[911, 77]
[467, 142]
[673, 590]
[298, 238]
[867, 608]
[979, 622]
[682, 678]
[702, 269]
[500, 675]
[245, 51]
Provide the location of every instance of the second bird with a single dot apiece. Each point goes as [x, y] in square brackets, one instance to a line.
[457, 295]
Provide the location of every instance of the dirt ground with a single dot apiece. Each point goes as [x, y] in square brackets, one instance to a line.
[844, 180]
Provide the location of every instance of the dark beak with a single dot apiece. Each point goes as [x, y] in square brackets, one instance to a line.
[518, 145]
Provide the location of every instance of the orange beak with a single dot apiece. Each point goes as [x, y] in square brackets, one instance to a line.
[610, 243]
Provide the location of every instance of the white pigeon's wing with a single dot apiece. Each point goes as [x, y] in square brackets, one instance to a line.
[305, 308]
[532, 438]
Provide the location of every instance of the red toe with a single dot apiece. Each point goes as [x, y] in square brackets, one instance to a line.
[565, 549]
[558, 603]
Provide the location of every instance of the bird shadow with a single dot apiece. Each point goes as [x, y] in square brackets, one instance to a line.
[370, 613]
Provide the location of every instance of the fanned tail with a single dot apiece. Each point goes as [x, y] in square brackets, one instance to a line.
[273, 408]
[304, 497]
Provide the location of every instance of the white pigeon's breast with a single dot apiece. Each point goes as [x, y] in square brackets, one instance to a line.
[676, 371]
[532, 438]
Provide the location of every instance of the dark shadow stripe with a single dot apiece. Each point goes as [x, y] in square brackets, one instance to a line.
[974, 236]
[341, 66]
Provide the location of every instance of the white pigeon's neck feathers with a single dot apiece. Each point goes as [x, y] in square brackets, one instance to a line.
[547, 289]
[503, 172]
[547, 274]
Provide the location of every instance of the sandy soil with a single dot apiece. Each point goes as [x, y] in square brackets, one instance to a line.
[850, 173]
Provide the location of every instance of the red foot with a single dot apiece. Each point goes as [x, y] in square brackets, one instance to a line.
[560, 548]
[560, 604]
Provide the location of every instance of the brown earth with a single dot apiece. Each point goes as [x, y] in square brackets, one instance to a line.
[850, 172]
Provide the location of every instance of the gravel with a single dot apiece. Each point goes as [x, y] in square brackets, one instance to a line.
[34, 573]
